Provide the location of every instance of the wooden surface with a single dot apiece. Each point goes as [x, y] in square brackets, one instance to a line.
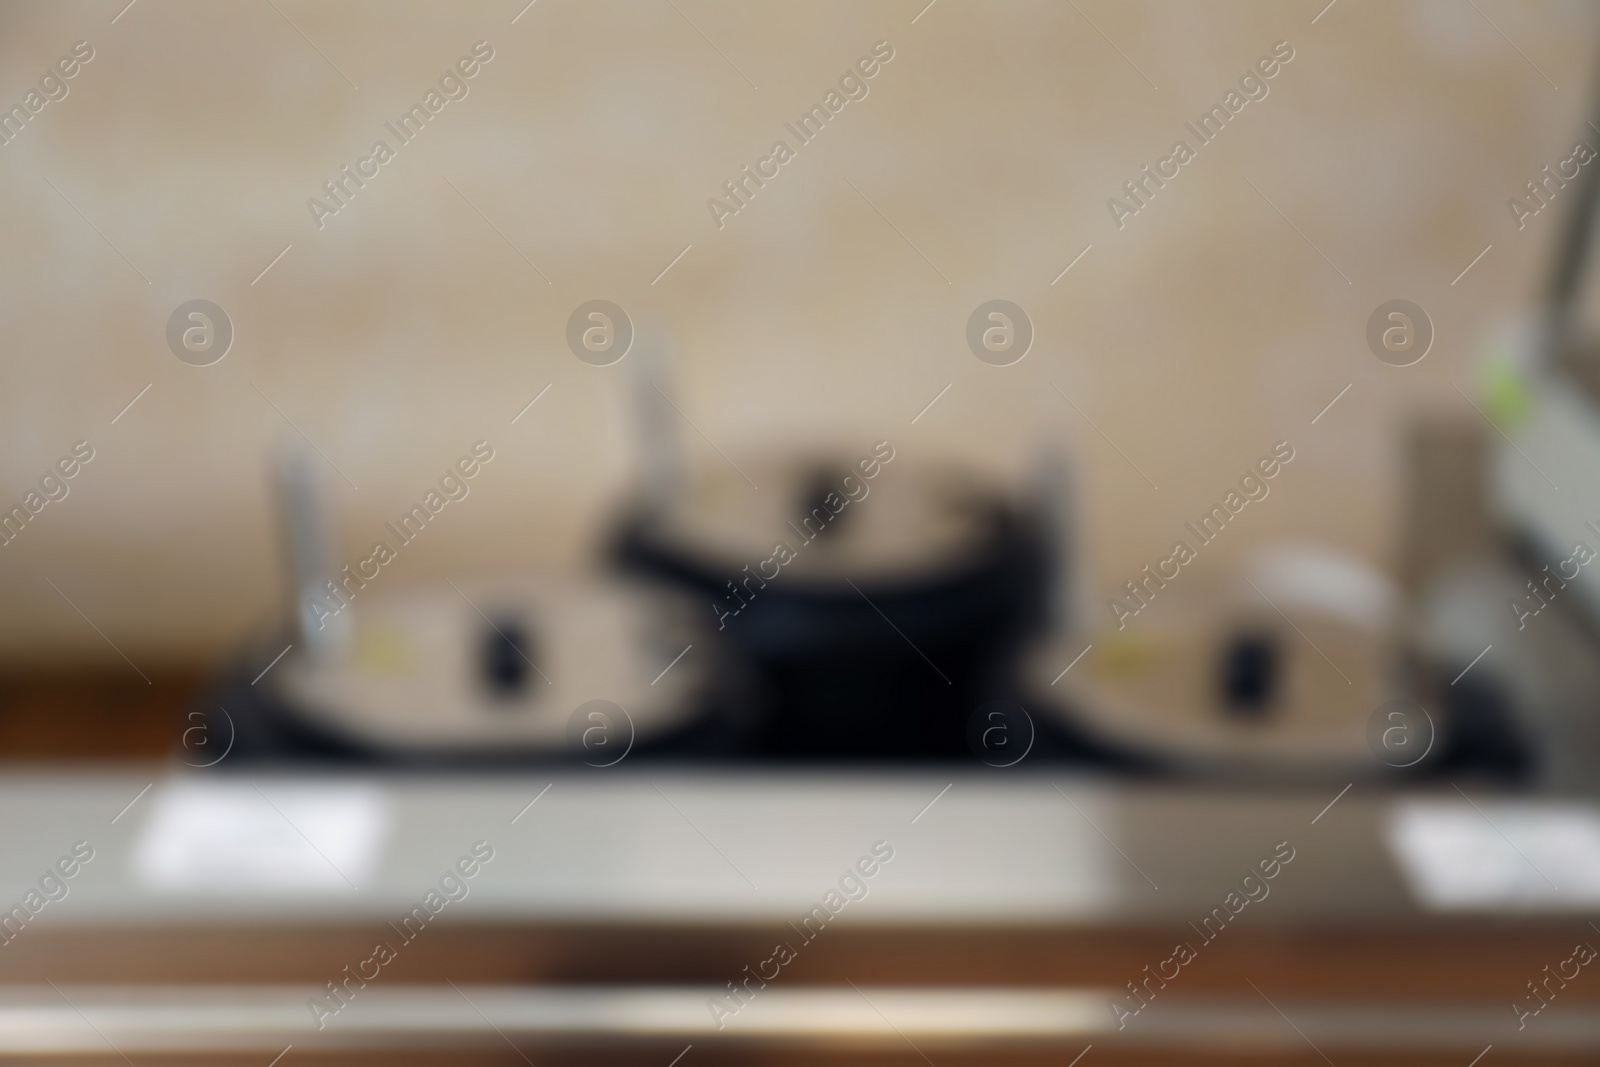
[75, 714]
[1447, 961]
[1458, 968]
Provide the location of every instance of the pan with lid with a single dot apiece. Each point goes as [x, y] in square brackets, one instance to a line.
[873, 600]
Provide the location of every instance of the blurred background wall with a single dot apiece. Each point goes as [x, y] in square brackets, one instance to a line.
[432, 308]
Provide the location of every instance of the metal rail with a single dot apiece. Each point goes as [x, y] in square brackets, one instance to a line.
[101, 1020]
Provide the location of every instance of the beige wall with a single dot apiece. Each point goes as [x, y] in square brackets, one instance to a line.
[1197, 335]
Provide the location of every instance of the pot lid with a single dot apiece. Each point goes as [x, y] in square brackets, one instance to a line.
[504, 665]
[828, 520]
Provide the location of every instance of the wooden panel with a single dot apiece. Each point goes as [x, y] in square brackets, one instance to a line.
[100, 714]
[1445, 961]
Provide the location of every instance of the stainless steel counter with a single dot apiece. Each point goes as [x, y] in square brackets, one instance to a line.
[710, 848]
[1014, 910]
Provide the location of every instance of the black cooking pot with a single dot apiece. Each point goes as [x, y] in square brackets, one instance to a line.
[873, 601]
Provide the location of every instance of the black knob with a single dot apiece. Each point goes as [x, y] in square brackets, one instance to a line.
[506, 658]
[1250, 671]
